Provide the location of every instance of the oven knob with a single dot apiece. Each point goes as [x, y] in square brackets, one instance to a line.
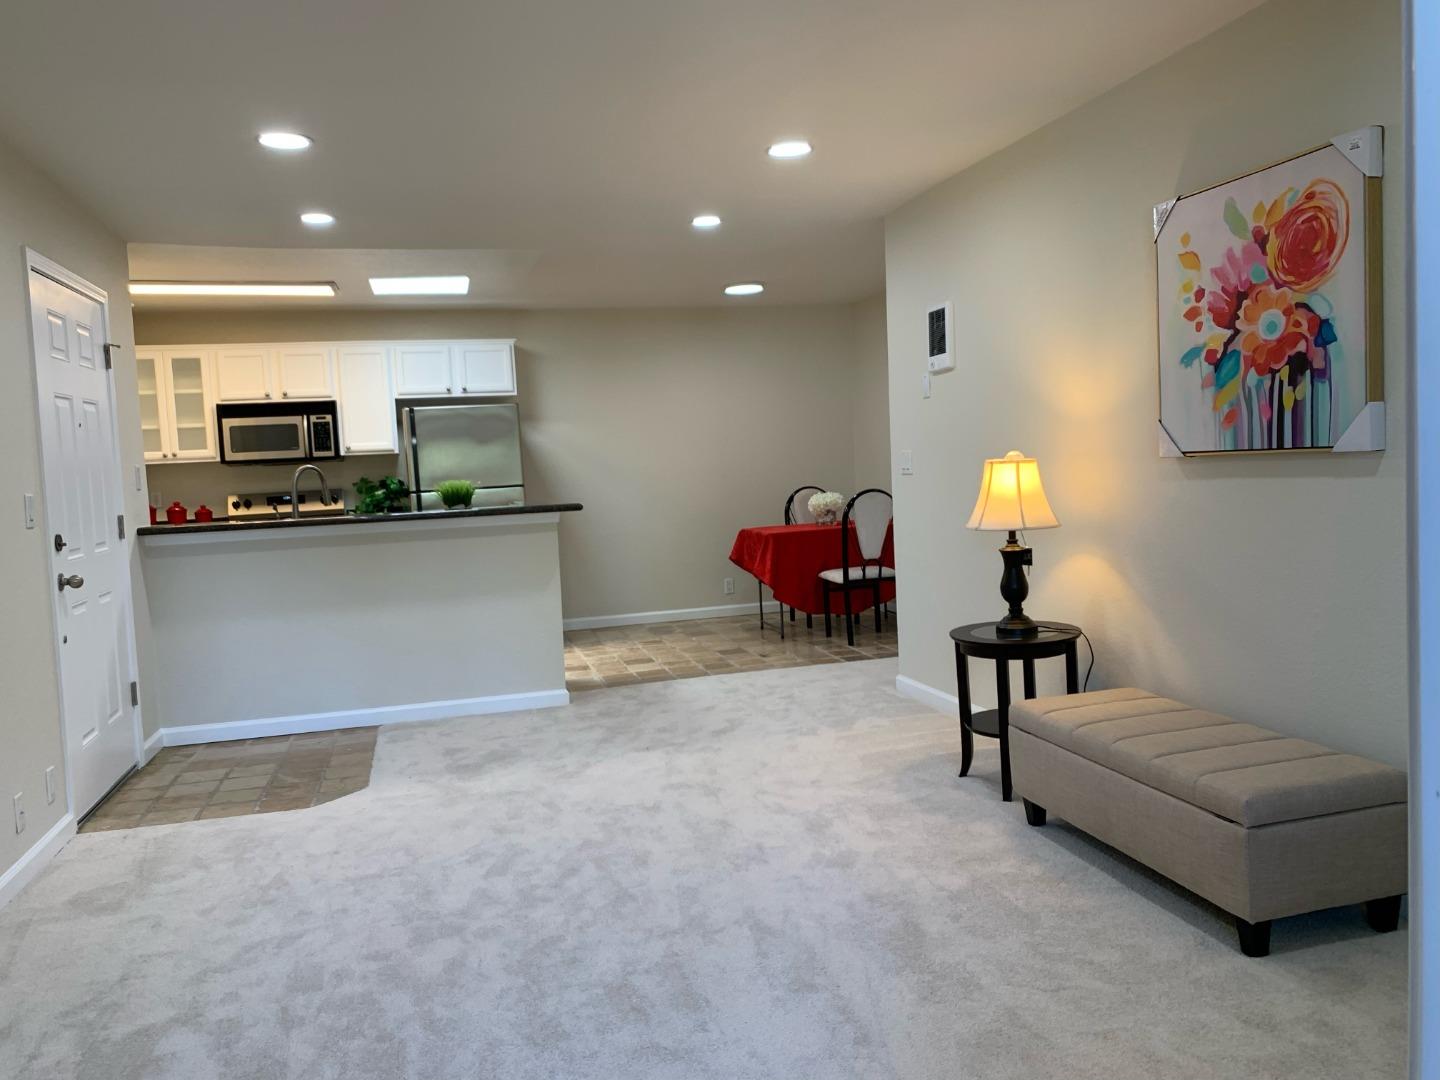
[248, 504]
[234, 504]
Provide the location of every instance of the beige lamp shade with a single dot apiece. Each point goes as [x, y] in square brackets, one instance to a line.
[1011, 496]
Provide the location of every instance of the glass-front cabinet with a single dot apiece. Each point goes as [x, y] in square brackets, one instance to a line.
[176, 405]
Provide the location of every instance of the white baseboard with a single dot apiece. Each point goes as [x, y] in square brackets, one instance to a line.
[189, 734]
[938, 700]
[34, 860]
[153, 745]
[596, 622]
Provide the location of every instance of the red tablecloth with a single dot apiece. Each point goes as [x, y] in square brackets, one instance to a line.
[789, 558]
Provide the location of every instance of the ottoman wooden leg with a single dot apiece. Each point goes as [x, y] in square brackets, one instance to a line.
[1254, 937]
[1035, 815]
[1383, 915]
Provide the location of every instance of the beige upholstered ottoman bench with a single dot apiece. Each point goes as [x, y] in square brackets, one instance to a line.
[1259, 824]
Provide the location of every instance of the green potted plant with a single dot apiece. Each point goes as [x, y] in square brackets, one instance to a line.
[455, 494]
[384, 496]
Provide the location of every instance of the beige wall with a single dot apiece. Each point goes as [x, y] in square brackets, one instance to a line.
[34, 213]
[674, 428]
[1270, 588]
[870, 395]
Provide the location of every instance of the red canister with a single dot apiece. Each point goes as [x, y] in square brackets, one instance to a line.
[203, 513]
[176, 514]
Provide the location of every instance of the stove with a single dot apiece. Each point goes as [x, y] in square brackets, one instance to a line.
[277, 504]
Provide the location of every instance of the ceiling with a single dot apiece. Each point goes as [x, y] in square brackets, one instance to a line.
[553, 149]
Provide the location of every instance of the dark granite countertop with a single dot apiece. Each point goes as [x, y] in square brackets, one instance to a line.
[352, 519]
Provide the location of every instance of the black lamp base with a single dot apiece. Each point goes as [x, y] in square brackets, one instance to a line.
[1014, 587]
[1013, 627]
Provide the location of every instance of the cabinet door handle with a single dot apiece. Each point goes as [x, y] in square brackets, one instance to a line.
[464, 389]
[449, 389]
[284, 393]
[267, 393]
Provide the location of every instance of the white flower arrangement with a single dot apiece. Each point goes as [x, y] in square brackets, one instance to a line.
[826, 506]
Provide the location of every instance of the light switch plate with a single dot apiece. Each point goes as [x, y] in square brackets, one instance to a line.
[19, 808]
[29, 510]
[50, 785]
[907, 463]
[139, 478]
[925, 385]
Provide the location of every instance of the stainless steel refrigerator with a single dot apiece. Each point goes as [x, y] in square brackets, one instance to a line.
[479, 443]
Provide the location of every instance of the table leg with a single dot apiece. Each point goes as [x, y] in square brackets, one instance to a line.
[1002, 705]
[962, 692]
[1072, 669]
[1029, 668]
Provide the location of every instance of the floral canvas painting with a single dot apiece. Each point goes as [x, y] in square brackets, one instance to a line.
[1263, 309]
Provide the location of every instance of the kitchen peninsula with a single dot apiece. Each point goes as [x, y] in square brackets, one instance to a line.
[287, 625]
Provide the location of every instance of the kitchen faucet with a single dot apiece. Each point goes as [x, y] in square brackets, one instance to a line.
[295, 488]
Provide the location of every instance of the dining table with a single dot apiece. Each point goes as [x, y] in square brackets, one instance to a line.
[789, 558]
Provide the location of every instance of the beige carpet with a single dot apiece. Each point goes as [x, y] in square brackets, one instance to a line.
[763, 875]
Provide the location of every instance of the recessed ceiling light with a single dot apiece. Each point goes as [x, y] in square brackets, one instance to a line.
[452, 285]
[317, 218]
[706, 221]
[285, 140]
[789, 148]
[232, 288]
[744, 288]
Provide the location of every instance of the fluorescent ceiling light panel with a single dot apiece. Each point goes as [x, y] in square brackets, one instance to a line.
[789, 148]
[706, 221]
[744, 288]
[285, 140]
[232, 288]
[317, 219]
[449, 285]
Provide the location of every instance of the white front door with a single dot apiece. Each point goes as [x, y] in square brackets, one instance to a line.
[89, 572]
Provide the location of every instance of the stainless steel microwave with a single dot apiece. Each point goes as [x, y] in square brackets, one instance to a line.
[255, 433]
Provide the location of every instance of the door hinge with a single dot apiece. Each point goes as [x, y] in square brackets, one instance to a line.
[134, 693]
[120, 525]
[109, 358]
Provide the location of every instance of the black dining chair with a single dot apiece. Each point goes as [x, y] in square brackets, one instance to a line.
[798, 513]
[870, 510]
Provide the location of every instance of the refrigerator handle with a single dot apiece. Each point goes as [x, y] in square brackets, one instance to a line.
[409, 455]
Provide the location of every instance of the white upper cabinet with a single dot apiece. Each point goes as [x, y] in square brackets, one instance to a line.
[444, 368]
[152, 408]
[303, 371]
[242, 373]
[423, 369]
[484, 367]
[367, 400]
[177, 404]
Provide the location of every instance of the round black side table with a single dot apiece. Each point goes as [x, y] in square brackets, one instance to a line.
[980, 641]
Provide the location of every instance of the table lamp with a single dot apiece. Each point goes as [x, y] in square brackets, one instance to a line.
[1012, 499]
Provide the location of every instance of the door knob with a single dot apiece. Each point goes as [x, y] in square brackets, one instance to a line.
[74, 581]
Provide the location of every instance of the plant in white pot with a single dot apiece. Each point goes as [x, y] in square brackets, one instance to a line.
[455, 494]
[826, 507]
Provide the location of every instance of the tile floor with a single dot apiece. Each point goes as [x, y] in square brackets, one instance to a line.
[654, 652]
[256, 776]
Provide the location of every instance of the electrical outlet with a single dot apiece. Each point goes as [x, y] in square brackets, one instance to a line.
[19, 808]
[50, 785]
[729, 586]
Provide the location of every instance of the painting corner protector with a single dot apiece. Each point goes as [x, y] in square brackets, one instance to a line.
[1365, 149]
